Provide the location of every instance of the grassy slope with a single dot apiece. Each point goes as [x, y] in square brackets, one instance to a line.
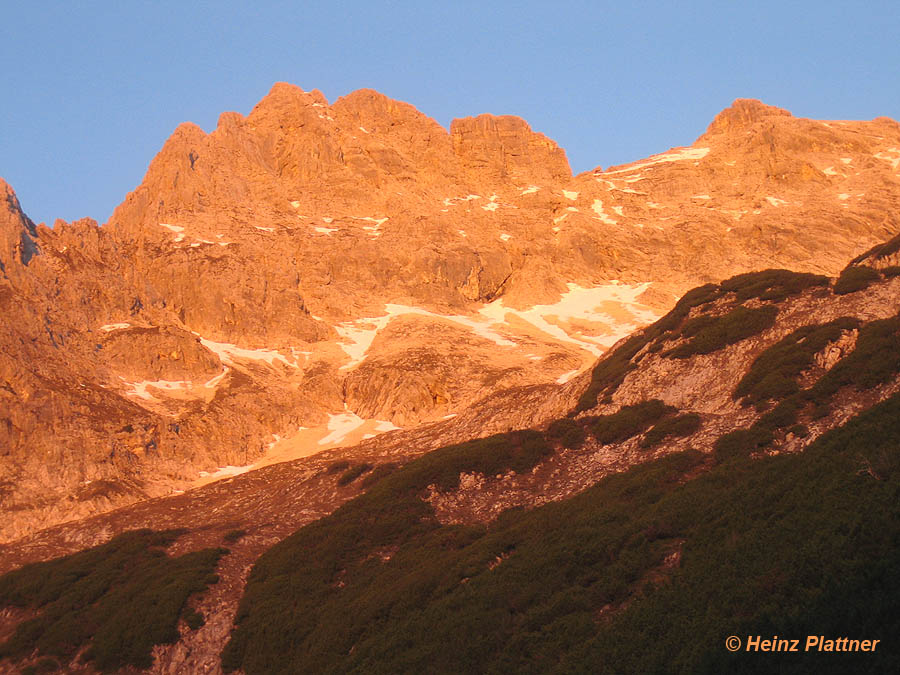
[790, 545]
[119, 599]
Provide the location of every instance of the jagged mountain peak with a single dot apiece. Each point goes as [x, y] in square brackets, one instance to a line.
[743, 113]
[17, 231]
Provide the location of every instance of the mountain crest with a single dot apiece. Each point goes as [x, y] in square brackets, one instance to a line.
[17, 233]
[743, 113]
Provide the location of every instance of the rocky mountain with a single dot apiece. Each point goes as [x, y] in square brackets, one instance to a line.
[758, 410]
[313, 274]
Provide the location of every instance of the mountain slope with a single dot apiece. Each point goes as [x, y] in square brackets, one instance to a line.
[313, 273]
[737, 440]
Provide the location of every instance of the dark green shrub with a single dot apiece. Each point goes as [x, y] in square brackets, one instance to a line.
[693, 326]
[377, 474]
[338, 466]
[855, 278]
[799, 430]
[774, 372]
[782, 415]
[677, 427]
[740, 443]
[121, 598]
[567, 432]
[629, 421]
[234, 535]
[880, 251]
[874, 361]
[194, 619]
[772, 284]
[353, 473]
[738, 324]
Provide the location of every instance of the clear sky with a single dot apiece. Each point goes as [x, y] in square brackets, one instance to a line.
[91, 90]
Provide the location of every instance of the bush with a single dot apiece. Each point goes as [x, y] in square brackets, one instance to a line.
[567, 432]
[738, 324]
[771, 284]
[194, 619]
[855, 278]
[612, 368]
[874, 361]
[677, 427]
[629, 421]
[740, 443]
[799, 430]
[234, 535]
[773, 373]
[338, 466]
[353, 473]
[377, 474]
[121, 599]
[890, 272]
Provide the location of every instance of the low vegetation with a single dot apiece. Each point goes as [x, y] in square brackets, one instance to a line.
[855, 278]
[874, 361]
[567, 432]
[119, 599]
[713, 334]
[628, 421]
[772, 284]
[678, 426]
[354, 472]
[791, 545]
[773, 375]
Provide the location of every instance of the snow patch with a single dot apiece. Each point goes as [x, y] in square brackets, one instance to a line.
[115, 326]
[570, 195]
[530, 189]
[325, 230]
[264, 229]
[505, 237]
[565, 377]
[774, 201]
[363, 130]
[585, 304]
[228, 352]
[675, 155]
[846, 160]
[597, 206]
[177, 229]
[358, 335]
[340, 425]
[384, 425]
[891, 155]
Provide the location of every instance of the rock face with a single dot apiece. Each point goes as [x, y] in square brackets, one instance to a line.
[315, 265]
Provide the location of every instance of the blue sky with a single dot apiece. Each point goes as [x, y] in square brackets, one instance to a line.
[93, 89]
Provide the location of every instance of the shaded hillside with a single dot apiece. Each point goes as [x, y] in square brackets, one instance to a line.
[744, 447]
